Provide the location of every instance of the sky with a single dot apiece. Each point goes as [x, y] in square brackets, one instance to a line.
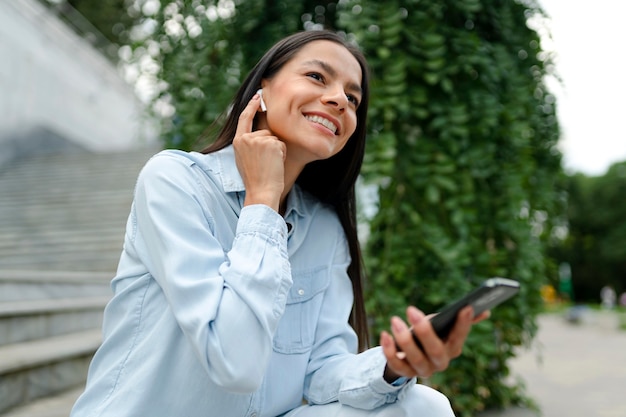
[589, 40]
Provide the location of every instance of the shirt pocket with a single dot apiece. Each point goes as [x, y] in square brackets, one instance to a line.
[296, 329]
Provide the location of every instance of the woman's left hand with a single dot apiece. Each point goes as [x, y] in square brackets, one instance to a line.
[405, 358]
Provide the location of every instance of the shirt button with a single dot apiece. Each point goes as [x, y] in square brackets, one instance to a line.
[300, 291]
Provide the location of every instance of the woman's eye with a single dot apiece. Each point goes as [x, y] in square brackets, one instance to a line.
[316, 76]
[352, 99]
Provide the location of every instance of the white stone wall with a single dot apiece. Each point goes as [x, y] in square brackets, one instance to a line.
[55, 82]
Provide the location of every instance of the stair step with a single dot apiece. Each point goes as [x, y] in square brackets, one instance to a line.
[67, 211]
[41, 368]
[69, 276]
[20, 285]
[63, 216]
[91, 246]
[105, 262]
[27, 308]
[22, 321]
[34, 353]
[62, 221]
[58, 405]
[50, 235]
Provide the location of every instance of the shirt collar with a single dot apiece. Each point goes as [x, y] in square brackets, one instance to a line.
[228, 172]
[298, 200]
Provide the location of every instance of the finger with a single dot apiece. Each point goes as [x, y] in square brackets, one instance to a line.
[246, 118]
[433, 347]
[402, 335]
[395, 358]
[459, 332]
[417, 358]
[482, 316]
[283, 149]
[464, 321]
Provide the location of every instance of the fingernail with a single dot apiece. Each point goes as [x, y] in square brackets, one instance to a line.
[414, 315]
[397, 324]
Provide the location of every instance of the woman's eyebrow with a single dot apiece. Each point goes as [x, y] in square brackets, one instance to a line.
[333, 73]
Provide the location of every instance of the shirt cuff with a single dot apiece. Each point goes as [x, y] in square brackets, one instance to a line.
[259, 218]
[400, 381]
[379, 384]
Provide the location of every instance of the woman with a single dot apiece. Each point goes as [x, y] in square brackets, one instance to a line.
[235, 289]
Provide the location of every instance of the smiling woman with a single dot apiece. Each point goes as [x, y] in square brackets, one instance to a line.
[239, 290]
[314, 113]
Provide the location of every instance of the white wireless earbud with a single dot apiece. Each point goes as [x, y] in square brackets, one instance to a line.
[260, 93]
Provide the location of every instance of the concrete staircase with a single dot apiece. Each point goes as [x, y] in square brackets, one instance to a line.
[62, 219]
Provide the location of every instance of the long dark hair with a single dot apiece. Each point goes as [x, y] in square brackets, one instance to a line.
[331, 180]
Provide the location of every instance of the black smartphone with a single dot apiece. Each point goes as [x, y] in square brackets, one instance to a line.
[491, 293]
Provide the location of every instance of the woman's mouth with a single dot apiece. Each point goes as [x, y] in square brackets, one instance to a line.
[323, 121]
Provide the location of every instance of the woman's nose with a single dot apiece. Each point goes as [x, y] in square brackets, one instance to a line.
[337, 98]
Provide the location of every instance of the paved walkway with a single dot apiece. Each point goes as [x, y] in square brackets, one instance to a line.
[571, 370]
[575, 370]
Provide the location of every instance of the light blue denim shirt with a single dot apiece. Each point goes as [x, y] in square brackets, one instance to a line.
[220, 311]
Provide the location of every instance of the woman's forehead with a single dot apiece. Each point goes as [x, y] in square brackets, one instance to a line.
[330, 56]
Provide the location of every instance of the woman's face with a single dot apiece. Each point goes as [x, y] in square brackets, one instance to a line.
[312, 101]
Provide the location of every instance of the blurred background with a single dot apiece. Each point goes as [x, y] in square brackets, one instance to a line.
[496, 147]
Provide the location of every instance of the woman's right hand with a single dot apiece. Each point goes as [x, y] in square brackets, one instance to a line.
[405, 358]
[260, 158]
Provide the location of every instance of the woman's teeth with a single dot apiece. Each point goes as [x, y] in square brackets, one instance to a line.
[324, 122]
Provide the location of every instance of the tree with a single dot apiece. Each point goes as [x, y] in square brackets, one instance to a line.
[463, 151]
[595, 246]
[462, 147]
[203, 50]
